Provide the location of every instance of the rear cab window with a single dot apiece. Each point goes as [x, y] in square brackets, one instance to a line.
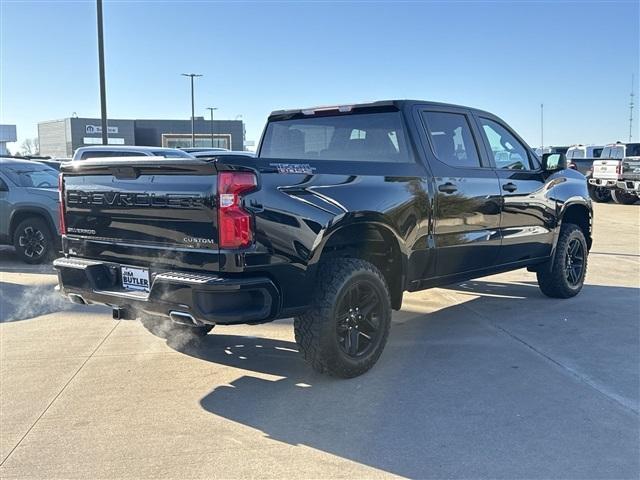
[633, 150]
[362, 137]
[110, 153]
[576, 153]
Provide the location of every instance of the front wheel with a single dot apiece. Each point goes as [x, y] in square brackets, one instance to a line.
[563, 277]
[624, 198]
[344, 332]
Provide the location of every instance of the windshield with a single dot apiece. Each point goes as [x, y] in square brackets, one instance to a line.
[355, 137]
[40, 177]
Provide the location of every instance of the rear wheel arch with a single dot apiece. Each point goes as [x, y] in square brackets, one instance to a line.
[374, 242]
[19, 216]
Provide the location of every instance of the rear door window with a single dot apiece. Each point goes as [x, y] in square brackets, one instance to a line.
[367, 137]
[451, 139]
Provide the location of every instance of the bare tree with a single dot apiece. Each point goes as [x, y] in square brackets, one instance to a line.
[31, 146]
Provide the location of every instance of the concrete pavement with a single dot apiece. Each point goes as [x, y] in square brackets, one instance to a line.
[483, 379]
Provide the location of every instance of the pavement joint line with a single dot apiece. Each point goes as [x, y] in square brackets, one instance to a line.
[59, 393]
[621, 402]
[615, 254]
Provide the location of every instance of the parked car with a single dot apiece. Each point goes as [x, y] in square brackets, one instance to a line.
[204, 149]
[342, 210]
[53, 162]
[581, 157]
[29, 209]
[218, 153]
[541, 151]
[618, 170]
[48, 161]
[102, 151]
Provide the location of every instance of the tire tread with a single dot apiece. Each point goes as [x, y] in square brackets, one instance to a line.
[308, 327]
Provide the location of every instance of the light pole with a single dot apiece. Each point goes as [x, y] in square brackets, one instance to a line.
[193, 127]
[542, 128]
[211, 109]
[103, 93]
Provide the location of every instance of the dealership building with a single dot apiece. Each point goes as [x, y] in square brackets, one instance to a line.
[60, 138]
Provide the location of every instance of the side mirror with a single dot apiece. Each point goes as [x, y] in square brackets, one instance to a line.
[554, 161]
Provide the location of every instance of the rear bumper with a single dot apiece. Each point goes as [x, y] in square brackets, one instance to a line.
[206, 298]
[631, 186]
[601, 182]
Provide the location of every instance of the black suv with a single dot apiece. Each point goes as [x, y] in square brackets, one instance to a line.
[343, 209]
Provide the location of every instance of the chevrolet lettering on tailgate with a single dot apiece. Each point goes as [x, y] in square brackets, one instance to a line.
[132, 199]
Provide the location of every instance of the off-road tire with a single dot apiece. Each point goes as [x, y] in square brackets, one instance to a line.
[599, 194]
[552, 277]
[165, 328]
[315, 330]
[623, 198]
[33, 229]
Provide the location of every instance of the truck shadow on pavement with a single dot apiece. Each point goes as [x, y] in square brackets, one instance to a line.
[455, 394]
[10, 263]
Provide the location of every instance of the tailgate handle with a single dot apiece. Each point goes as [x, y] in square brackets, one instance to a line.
[123, 173]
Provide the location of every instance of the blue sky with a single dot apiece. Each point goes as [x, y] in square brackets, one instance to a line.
[505, 57]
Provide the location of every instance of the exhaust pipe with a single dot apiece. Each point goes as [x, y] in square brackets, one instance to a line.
[119, 313]
[183, 318]
[77, 299]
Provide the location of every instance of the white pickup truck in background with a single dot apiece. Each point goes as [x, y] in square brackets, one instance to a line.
[581, 157]
[618, 169]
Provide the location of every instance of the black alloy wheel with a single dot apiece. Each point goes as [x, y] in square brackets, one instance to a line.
[359, 314]
[574, 262]
[344, 331]
[563, 275]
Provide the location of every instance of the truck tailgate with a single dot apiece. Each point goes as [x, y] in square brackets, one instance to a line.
[606, 169]
[631, 168]
[165, 202]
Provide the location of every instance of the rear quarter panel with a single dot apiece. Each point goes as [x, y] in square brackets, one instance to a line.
[296, 214]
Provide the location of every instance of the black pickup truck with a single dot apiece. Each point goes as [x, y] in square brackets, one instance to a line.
[342, 210]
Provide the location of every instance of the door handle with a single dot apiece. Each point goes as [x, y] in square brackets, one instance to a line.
[509, 187]
[448, 188]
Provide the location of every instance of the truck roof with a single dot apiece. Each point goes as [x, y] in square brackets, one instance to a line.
[126, 148]
[399, 104]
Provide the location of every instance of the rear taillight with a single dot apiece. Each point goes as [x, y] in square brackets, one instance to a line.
[234, 222]
[63, 225]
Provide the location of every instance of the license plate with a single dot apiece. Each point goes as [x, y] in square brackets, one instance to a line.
[134, 278]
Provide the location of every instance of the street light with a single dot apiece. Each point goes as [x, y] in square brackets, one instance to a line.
[193, 128]
[211, 109]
